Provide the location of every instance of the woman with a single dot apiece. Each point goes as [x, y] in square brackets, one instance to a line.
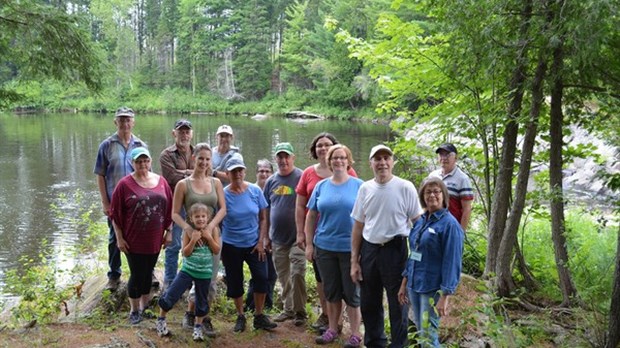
[434, 266]
[333, 199]
[140, 211]
[244, 231]
[310, 177]
[264, 169]
[200, 187]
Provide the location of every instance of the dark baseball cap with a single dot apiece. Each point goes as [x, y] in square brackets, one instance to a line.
[182, 123]
[447, 147]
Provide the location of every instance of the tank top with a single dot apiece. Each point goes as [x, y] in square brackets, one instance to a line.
[199, 264]
[191, 197]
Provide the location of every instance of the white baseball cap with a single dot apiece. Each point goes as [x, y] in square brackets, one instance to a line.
[224, 129]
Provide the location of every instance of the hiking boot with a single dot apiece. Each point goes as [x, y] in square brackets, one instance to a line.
[321, 322]
[328, 336]
[113, 284]
[135, 318]
[284, 316]
[162, 327]
[240, 323]
[208, 328]
[262, 321]
[198, 335]
[188, 320]
[300, 319]
[353, 342]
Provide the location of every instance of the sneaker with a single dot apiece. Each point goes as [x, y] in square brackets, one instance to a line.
[300, 319]
[353, 342]
[328, 336]
[188, 320]
[240, 323]
[208, 328]
[135, 318]
[162, 327]
[284, 316]
[198, 335]
[262, 321]
[321, 322]
[113, 284]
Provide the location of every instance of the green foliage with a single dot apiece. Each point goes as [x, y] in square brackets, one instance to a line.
[40, 297]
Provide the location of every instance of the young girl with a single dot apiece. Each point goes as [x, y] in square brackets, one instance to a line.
[198, 249]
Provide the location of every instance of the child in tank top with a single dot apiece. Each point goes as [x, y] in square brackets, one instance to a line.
[198, 249]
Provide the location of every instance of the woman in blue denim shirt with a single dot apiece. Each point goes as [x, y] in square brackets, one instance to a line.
[434, 266]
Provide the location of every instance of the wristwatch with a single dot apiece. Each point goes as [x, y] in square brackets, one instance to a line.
[215, 173]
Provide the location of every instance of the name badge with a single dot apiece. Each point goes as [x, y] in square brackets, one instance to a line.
[431, 230]
[416, 256]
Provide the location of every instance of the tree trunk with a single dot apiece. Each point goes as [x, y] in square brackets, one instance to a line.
[569, 292]
[613, 334]
[529, 282]
[503, 184]
[505, 282]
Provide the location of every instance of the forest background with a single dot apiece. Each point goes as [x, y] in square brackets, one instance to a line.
[506, 80]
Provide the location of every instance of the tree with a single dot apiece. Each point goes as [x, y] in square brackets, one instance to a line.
[38, 40]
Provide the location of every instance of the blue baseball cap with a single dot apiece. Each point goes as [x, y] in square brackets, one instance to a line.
[235, 161]
[139, 151]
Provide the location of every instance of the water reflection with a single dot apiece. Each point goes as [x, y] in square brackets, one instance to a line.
[46, 157]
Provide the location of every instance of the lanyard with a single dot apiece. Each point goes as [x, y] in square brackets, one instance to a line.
[431, 218]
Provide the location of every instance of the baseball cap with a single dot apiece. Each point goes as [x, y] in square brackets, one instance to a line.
[224, 129]
[235, 161]
[124, 111]
[284, 147]
[139, 151]
[182, 123]
[446, 147]
[378, 148]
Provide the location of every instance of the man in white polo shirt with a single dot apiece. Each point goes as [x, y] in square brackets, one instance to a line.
[382, 213]
[459, 186]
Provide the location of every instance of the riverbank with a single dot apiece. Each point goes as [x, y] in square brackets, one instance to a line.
[179, 101]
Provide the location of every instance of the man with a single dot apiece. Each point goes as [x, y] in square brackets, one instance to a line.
[176, 164]
[289, 260]
[113, 163]
[459, 186]
[222, 152]
[382, 213]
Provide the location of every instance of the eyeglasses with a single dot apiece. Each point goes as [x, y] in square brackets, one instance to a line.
[445, 154]
[339, 158]
[433, 192]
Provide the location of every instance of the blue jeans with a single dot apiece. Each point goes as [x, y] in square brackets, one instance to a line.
[183, 281]
[425, 317]
[114, 254]
[171, 262]
[382, 267]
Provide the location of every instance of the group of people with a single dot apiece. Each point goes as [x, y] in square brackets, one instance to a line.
[353, 232]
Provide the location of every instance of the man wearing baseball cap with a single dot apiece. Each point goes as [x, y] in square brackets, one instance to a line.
[289, 260]
[176, 164]
[382, 213]
[223, 152]
[459, 185]
[113, 163]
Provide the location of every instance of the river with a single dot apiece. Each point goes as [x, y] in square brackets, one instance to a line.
[45, 158]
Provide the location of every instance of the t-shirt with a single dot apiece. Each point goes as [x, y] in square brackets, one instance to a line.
[334, 203]
[309, 179]
[280, 194]
[240, 226]
[386, 209]
[114, 160]
[142, 214]
[459, 188]
[218, 160]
